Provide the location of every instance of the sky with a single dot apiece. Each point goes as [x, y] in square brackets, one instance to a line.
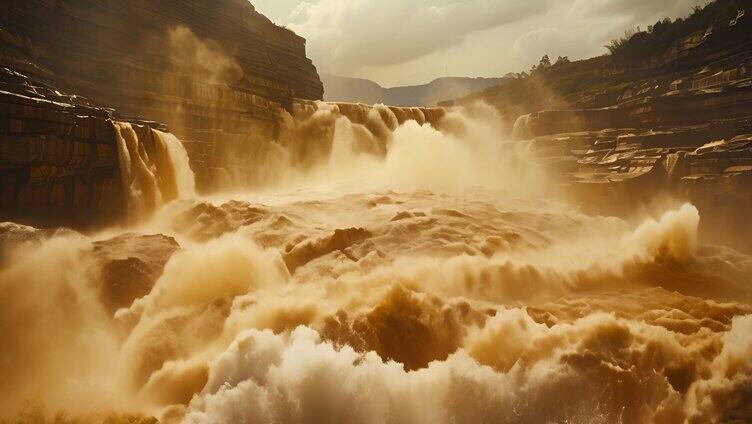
[406, 42]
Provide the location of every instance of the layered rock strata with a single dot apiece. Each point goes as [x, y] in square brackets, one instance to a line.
[57, 158]
[65, 161]
[216, 73]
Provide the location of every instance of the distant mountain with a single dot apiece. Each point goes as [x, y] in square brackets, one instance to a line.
[356, 90]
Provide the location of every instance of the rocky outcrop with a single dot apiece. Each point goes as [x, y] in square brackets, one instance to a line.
[130, 264]
[620, 171]
[215, 72]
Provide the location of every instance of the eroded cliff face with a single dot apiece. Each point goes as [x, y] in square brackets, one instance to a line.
[64, 161]
[100, 47]
[57, 155]
[216, 73]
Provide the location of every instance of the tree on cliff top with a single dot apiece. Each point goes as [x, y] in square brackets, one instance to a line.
[544, 63]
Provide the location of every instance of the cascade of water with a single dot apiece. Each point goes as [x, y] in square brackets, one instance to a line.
[521, 130]
[150, 180]
[185, 180]
[139, 182]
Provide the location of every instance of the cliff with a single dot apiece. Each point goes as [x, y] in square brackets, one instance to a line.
[215, 72]
[58, 156]
[109, 48]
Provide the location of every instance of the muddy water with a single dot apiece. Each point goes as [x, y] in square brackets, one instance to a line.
[418, 274]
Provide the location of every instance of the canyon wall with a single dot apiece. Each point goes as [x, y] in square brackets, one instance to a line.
[64, 161]
[217, 74]
[115, 51]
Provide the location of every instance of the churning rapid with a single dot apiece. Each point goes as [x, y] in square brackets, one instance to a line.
[384, 267]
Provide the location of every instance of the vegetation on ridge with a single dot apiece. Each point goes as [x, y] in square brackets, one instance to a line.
[638, 45]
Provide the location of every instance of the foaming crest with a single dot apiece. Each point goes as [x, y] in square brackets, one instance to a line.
[514, 370]
[674, 236]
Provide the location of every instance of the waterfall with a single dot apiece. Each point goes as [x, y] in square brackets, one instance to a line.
[139, 183]
[521, 128]
[359, 113]
[154, 169]
[185, 180]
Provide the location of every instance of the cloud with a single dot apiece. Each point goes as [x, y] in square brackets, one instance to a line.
[276, 10]
[638, 9]
[531, 46]
[406, 42]
[346, 35]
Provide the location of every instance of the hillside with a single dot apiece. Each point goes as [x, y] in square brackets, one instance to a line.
[669, 111]
[688, 54]
[356, 90]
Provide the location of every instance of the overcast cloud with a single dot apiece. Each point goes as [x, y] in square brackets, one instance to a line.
[399, 42]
